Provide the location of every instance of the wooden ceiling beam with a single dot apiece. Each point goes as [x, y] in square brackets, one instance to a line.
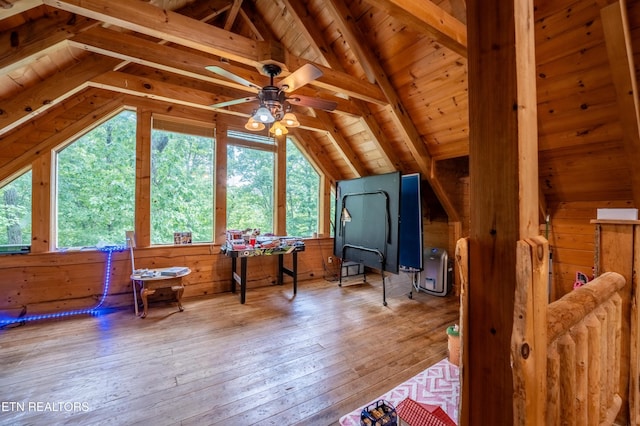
[171, 26]
[19, 7]
[615, 24]
[309, 29]
[426, 17]
[77, 126]
[232, 15]
[317, 155]
[179, 94]
[50, 92]
[459, 10]
[352, 159]
[135, 49]
[38, 38]
[180, 29]
[397, 111]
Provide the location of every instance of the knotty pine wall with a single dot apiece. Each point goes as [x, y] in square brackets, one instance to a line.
[53, 282]
[572, 240]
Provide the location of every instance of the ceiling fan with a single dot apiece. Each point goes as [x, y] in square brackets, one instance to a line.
[274, 101]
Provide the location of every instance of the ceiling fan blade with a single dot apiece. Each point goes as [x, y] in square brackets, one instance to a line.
[234, 102]
[231, 76]
[313, 102]
[300, 77]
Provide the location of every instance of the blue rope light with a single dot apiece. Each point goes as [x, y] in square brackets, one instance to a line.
[93, 311]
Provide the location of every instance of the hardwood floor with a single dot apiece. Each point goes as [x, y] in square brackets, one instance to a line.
[277, 360]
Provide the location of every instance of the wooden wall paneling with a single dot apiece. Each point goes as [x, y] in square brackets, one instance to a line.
[571, 237]
[503, 165]
[634, 351]
[616, 253]
[280, 187]
[56, 281]
[220, 219]
[326, 200]
[42, 207]
[142, 205]
[620, 50]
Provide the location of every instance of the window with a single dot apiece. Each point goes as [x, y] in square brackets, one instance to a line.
[96, 185]
[303, 191]
[15, 211]
[181, 186]
[250, 180]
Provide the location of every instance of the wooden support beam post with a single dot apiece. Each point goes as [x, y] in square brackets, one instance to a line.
[503, 155]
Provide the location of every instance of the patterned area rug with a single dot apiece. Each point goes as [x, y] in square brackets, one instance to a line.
[437, 385]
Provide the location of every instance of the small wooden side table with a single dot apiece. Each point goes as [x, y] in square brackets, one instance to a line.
[153, 279]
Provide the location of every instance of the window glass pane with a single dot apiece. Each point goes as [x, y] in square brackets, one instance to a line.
[303, 189]
[181, 186]
[96, 185]
[15, 211]
[249, 188]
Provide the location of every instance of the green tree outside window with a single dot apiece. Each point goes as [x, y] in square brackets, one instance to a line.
[96, 185]
[181, 186]
[15, 211]
[303, 191]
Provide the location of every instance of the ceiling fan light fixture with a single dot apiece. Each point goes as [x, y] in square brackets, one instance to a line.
[254, 125]
[263, 115]
[290, 120]
[278, 129]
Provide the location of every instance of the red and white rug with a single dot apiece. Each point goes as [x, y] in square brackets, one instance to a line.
[437, 385]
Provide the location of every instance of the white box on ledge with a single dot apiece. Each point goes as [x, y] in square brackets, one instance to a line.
[618, 214]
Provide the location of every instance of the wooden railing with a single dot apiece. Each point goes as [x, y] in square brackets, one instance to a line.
[583, 354]
[565, 355]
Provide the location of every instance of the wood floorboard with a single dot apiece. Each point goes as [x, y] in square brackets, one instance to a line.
[276, 360]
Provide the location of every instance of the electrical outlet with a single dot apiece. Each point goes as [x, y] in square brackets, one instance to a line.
[330, 259]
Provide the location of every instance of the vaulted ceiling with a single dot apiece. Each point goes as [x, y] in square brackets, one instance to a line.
[397, 70]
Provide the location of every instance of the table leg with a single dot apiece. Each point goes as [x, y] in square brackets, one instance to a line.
[135, 296]
[280, 269]
[295, 272]
[179, 290]
[243, 279]
[144, 293]
[233, 271]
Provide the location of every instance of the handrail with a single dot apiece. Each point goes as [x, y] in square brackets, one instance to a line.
[569, 310]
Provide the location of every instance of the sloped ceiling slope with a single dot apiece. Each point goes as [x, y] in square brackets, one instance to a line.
[397, 70]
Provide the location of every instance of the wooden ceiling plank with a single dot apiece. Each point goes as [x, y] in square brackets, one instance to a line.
[177, 94]
[232, 15]
[426, 17]
[36, 39]
[395, 107]
[309, 28]
[19, 7]
[188, 32]
[135, 49]
[130, 48]
[170, 26]
[394, 104]
[618, 41]
[251, 24]
[459, 10]
[307, 24]
[317, 155]
[352, 36]
[68, 132]
[356, 166]
[44, 95]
